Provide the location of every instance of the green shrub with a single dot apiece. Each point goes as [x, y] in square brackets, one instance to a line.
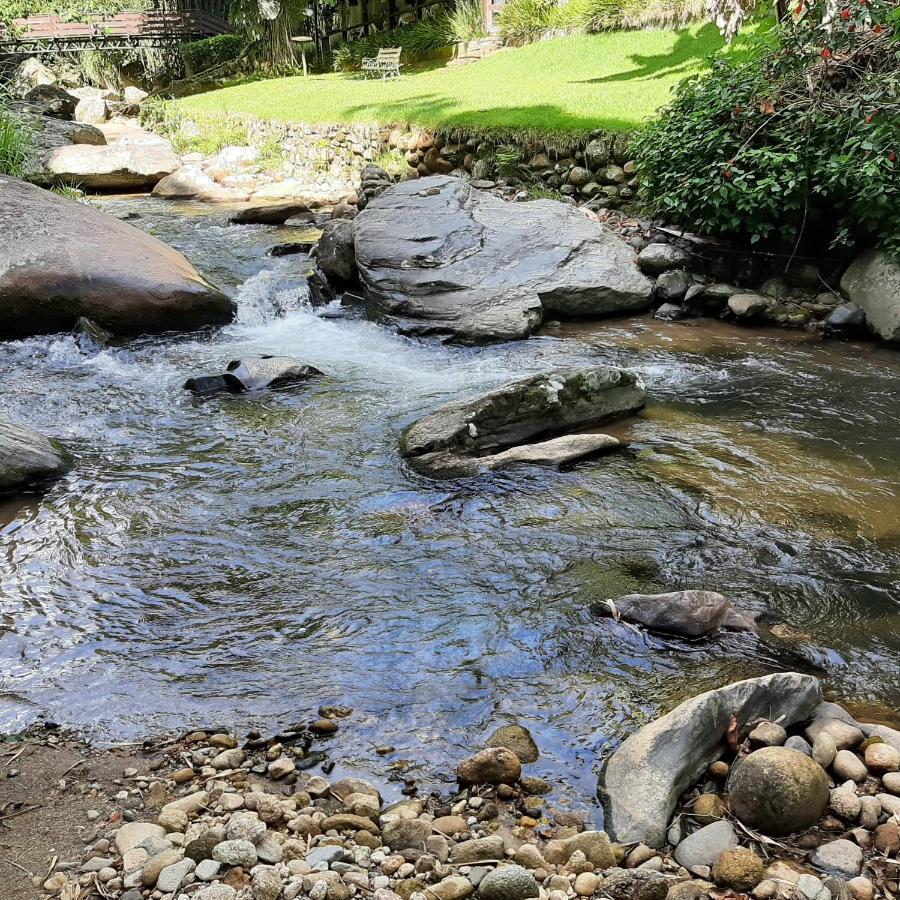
[521, 21]
[467, 21]
[205, 54]
[15, 142]
[798, 143]
[418, 41]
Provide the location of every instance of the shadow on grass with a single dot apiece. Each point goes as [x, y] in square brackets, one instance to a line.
[437, 111]
[689, 49]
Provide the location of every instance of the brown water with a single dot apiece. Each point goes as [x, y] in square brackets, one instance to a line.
[243, 560]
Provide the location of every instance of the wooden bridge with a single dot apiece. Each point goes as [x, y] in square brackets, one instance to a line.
[124, 31]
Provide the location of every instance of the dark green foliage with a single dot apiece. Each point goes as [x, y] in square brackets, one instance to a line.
[798, 143]
[15, 141]
[199, 56]
[419, 41]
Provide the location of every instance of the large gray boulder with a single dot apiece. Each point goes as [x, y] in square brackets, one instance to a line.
[122, 166]
[61, 260]
[873, 283]
[459, 437]
[643, 779]
[27, 456]
[29, 74]
[461, 262]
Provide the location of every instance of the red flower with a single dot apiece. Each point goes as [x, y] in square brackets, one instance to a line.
[845, 14]
[798, 9]
[826, 53]
[892, 156]
[726, 173]
[878, 29]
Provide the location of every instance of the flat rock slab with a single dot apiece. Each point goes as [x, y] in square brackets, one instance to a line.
[60, 260]
[271, 213]
[113, 167]
[462, 263]
[498, 428]
[643, 779]
[27, 456]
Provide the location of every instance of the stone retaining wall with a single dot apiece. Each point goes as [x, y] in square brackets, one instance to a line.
[595, 168]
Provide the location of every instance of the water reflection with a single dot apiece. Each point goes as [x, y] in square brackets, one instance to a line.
[243, 560]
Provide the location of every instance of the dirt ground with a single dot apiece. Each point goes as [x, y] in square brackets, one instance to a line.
[44, 808]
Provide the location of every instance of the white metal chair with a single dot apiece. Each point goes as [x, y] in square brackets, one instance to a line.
[386, 63]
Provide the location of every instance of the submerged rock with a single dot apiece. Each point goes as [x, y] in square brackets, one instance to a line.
[465, 264]
[459, 437]
[27, 456]
[60, 260]
[643, 779]
[690, 613]
[517, 739]
[254, 373]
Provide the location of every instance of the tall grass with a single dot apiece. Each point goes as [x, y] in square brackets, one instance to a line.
[467, 21]
[15, 142]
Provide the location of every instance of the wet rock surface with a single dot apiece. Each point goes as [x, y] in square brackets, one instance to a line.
[460, 436]
[69, 260]
[461, 262]
[27, 456]
[253, 373]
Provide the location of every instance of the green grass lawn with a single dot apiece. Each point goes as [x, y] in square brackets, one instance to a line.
[570, 84]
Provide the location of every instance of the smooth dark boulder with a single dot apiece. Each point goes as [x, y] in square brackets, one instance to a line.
[27, 456]
[463, 263]
[254, 373]
[52, 100]
[271, 213]
[61, 260]
[642, 781]
[335, 253]
[693, 614]
[467, 434]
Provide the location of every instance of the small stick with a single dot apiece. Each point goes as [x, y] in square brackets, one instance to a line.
[73, 766]
[9, 862]
[9, 762]
[21, 812]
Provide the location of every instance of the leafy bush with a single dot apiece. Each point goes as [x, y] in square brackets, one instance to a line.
[418, 41]
[800, 142]
[467, 21]
[15, 142]
[521, 21]
[205, 54]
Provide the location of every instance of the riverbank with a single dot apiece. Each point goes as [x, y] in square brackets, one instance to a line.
[211, 815]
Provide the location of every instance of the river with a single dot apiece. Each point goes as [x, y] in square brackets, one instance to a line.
[242, 560]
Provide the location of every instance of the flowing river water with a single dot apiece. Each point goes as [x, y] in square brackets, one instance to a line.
[242, 560]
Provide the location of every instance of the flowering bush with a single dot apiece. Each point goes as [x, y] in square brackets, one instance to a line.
[800, 142]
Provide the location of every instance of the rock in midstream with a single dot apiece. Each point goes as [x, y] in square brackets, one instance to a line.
[693, 614]
[463, 437]
[253, 373]
[447, 258]
[27, 456]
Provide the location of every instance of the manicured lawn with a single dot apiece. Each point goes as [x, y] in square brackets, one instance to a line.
[570, 84]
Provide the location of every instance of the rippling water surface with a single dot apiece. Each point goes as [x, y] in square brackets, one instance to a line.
[243, 560]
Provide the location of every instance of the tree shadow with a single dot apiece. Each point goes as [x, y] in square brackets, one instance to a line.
[436, 111]
[690, 48]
